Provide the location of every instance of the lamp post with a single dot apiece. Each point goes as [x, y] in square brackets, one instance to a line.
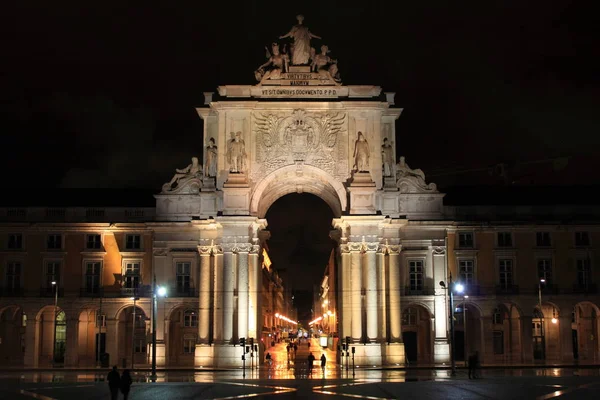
[133, 333]
[459, 289]
[156, 291]
[466, 352]
[55, 284]
[542, 280]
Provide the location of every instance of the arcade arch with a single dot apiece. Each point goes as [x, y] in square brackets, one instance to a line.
[132, 341]
[416, 334]
[13, 322]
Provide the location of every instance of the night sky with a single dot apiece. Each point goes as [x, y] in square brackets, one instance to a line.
[103, 94]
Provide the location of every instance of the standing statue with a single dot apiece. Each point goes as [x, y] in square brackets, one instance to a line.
[278, 63]
[194, 170]
[361, 154]
[236, 153]
[387, 155]
[210, 166]
[301, 47]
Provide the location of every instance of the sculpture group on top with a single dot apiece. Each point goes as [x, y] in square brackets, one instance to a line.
[189, 177]
[411, 180]
[300, 54]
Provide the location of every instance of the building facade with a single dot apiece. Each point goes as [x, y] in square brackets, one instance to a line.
[77, 282]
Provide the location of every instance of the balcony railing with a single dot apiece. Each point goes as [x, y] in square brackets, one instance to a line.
[418, 291]
[178, 291]
[50, 291]
[507, 289]
[11, 292]
[91, 292]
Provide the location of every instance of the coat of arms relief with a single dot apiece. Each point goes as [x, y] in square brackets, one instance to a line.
[300, 138]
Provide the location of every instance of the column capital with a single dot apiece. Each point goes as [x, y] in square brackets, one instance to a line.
[344, 248]
[438, 250]
[160, 252]
[391, 249]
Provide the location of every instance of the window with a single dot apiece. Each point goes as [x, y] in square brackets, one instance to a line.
[189, 345]
[545, 270]
[415, 273]
[92, 276]
[93, 242]
[15, 241]
[131, 280]
[584, 272]
[498, 317]
[498, 342]
[542, 239]
[183, 276]
[409, 316]
[582, 239]
[13, 276]
[52, 273]
[54, 242]
[133, 242]
[505, 239]
[536, 324]
[190, 319]
[140, 345]
[466, 271]
[465, 239]
[505, 267]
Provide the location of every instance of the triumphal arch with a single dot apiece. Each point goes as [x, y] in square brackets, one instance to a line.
[299, 129]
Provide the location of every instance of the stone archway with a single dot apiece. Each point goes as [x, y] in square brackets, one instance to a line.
[12, 332]
[416, 333]
[298, 179]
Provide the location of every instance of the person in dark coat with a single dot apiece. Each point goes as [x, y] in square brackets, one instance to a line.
[311, 360]
[114, 382]
[126, 384]
[323, 362]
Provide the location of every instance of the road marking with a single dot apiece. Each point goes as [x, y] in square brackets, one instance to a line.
[562, 392]
[278, 390]
[36, 395]
[318, 389]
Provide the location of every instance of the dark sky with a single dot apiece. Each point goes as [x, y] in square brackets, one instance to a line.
[103, 94]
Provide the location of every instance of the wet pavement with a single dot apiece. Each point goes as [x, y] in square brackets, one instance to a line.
[290, 377]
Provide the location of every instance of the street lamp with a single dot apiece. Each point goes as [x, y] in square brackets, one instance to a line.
[133, 333]
[162, 292]
[458, 288]
[465, 353]
[542, 280]
[55, 284]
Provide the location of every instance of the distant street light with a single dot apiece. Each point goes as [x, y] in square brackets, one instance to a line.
[162, 292]
[458, 288]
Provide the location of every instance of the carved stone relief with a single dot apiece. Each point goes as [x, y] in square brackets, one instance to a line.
[300, 138]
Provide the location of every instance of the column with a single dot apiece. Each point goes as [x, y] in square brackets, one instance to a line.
[344, 308]
[381, 296]
[204, 294]
[228, 276]
[72, 343]
[527, 343]
[371, 293]
[218, 297]
[394, 292]
[242, 286]
[112, 341]
[356, 293]
[566, 338]
[253, 285]
[32, 344]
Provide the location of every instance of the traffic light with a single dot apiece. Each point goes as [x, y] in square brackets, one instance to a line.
[243, 342]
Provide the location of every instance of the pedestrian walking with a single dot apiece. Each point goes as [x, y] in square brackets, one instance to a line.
[323, 362]
[126, 384]
[471, 366]
[114, 382]
[268, 358]
[311, 360]
[295, 349]
[476, 365]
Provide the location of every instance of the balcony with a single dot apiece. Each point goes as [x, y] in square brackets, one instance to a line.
[590, 288]
[418, 291]
[178, 291]
[507, 289]
[91, 292]
[50, 291]
[11, 292]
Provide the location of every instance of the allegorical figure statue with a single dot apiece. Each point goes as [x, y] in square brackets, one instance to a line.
[236, 153]
[301, 47]
[210, 166]
[361, 154]
[325, 65]
[194, 170]
[415, 176]
[387, 156]
[278, 63]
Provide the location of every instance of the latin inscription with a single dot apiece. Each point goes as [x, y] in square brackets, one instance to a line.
[299, 92]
